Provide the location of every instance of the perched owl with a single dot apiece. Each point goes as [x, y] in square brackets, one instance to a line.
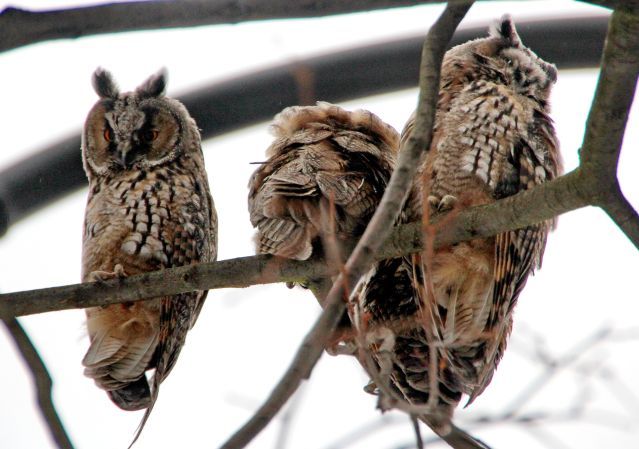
[492, 138]
[326, 171]
[149, 208]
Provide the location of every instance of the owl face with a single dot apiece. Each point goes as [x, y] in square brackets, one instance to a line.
[132, 130]
[502, 58]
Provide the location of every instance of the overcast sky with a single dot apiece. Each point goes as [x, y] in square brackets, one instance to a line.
[244, 339]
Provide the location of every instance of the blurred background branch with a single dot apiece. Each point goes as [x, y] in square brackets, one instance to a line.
[41, 380]
[221, 107]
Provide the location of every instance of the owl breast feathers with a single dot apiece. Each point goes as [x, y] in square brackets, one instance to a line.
[492, 138]
[149, 207]
[326, 171]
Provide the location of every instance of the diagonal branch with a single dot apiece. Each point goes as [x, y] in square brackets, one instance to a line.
[532, 206]
[378, 229]
[20, 27]
[623, 214]
[42, 381]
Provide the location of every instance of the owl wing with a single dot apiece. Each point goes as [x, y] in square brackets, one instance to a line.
[518, 253]
[324, 164]
[277, 206]
[194, 241]
[212, 254]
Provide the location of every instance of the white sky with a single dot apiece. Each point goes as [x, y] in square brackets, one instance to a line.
[244, 339]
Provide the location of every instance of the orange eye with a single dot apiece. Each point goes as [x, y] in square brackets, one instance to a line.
[108, 134]
[150, 135]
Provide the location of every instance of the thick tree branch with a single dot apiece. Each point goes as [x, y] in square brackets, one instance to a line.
[20, 27]
[608, 119]
[42, 381]
[376, 232]
[541, 203]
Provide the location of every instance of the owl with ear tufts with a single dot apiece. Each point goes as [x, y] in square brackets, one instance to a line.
[493, 138]
[149, 208]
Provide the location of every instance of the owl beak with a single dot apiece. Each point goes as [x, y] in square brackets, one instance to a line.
[125, 158]
[125, 153]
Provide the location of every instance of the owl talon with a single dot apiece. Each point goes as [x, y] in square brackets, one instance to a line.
[103, 276]
[433, 202]
[343, 348]
[371, 388]
[447, 203]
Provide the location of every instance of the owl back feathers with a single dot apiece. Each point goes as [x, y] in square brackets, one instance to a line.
[327, 169]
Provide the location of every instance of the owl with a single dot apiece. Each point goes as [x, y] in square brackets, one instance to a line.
[451, 311]
[148, 208]
[325, 174]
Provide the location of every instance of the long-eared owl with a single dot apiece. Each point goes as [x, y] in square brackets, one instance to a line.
[326, 170]
[493, 137]
[149, 207]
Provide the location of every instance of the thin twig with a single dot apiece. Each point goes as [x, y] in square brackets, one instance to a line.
[551, 369]
[378, 229]
[42, 381]
[418, 435]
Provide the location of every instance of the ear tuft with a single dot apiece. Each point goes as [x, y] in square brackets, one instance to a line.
[104, 84]
[154, 86]
[505, 29]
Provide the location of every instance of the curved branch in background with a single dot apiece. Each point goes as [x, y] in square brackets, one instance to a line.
[42, 381]
[377, 231]
[531, 206]
[245, 100]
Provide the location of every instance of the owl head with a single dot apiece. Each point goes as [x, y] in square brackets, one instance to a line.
[502, 58]
[135, 130]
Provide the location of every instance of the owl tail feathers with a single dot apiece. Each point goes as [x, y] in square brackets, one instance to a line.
[153, 395]
[132, 397]
[456, 437]
[117, 364]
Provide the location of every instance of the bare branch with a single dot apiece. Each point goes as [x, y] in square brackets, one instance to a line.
[418, 434]
[608, 118]
[532, 206]
[378, 229]
[622, 213]
[20, 27]
[42, 381]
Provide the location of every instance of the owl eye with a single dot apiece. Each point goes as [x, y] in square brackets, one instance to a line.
[150, 135]
[108, 134]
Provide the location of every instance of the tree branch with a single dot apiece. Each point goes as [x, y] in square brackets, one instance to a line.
[42, 381]
[622, 213]
[608, 119]
[20, 27]
[532, 206]
[376, 232]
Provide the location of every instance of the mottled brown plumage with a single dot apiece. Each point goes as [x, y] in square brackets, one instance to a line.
[325, 162]
[492, 138]
[149, 208]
